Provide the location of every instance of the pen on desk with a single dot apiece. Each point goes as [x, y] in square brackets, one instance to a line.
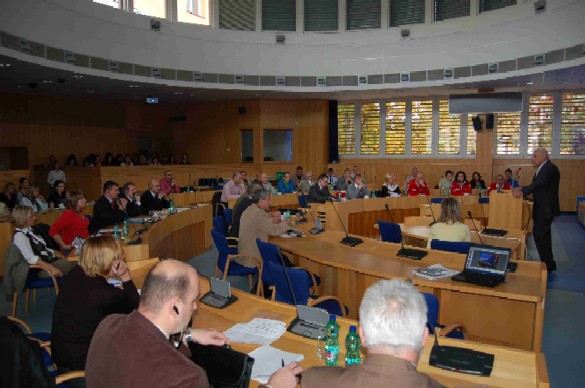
[282, 359]
[118, 266]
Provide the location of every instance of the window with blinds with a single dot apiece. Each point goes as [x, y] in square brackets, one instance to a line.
[346, 129]
[490, 5]
[363, 14]
[508, 133]
[573, 124]
[403, 12]
[449, 130]
[471, 135]
[370, 128]
[321, 15]
[395, 127]
[279, 15]
[237, 15]
[156, 8]
[449, 9]
[422, 127]
[540, 122]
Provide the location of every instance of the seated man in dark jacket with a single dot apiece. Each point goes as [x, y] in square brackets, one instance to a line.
[133, 207]
[153, 198]
[108, 210]
[319, 192]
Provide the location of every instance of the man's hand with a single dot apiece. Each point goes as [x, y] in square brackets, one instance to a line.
[286, 376]
[209, 337]
[123, 203]
[120, 269]
[518, 192]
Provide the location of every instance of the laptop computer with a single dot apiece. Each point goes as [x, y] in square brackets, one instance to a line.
[485, 265]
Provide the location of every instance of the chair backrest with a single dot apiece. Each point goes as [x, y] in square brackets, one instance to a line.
[299, 279]
[484, 200]
[220, 225]
[228, 215]
[270, 253]
[437, 200]
[451, 246]
[432, 311]
[390, 232]
[303, 200]
[215, 200]
[221, 244]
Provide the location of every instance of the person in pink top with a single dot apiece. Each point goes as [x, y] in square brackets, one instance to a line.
[168, 184]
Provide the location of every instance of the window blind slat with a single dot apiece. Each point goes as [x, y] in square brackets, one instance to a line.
[237, 15]
[422, 127]
[370, 128]
[449, 130]
[346, 129]
[321, 15]
[403, 12]
[540, 122]
[508, 133]
[449, 9]
[395, 127]
[490, 5]
[279, 15]
[363, 14]
[471, 135]
[573, 124]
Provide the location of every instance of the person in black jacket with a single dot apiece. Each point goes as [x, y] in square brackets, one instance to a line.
[108, 210]
[319, 192]
[153, 198]
[545, 192]
[133, 207]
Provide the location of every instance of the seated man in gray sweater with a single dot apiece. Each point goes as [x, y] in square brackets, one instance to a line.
[358, 189]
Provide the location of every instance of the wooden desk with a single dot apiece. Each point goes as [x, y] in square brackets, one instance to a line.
[193, 198]
[511, 314]
[512, 368]
[284, 201]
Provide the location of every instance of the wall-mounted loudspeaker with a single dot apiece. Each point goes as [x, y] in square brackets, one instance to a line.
[489, 121]
[280, 39]
[540, 6]
[155, 25]
[405, 33]
[477, 123]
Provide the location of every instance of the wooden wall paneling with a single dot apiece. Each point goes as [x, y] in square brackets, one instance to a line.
[12, 176]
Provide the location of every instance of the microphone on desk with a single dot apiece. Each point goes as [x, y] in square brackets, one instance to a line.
[347, 240]
[475, 227]
[432, 213]
[189, 184]
[389, 213]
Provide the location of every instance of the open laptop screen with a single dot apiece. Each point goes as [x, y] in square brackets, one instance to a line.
[486, 259]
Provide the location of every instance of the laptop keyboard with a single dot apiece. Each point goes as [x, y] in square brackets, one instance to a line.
[477, 278]
[307, 329]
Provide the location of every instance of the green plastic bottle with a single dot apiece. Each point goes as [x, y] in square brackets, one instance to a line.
[352, 347]
[332, 341]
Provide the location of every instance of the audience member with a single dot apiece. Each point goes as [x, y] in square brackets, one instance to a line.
[511, 181]
[33, 247]
[172, 160]
[85, 299]
[109, 160]
[242, 204]
[449, 226]
[119, 159]
[410, 178]
[460, 186]
[390, 188]
[155, 162]
[286, 185]
[358, 189]
[418, 186]
[499, 185]
[71, 161]
[107, 210]
[127, 161]
[266, 184]
[72, 223]
[184, 159]
[133, 207]
[446, 182]
[319, 192]
[168, 185]
[233, 189]
[142, 160]
[354, 172]
[153, 198]
[306, 183]
[35, 200]
[23, 186]
[298, 176]
[331, 178]
[477, 182]
[345, 180]
[393, 317]
[8, 197]
[52, 161]
[58, 198]
[169, 298]
[244, 178]
[257, 223]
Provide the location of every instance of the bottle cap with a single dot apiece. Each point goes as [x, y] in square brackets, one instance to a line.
[352, 329]
[332, 317]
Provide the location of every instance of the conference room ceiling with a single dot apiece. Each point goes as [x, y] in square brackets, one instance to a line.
[18, 76]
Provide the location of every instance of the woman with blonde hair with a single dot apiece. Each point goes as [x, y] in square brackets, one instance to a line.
[390, 188]
[86, 298]
[449, 226]
[35, 199]
[72, 223]
[33, 247]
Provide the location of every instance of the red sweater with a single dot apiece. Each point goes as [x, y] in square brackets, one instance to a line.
[494, 187]
[414, 189]
[458, 190]
[70, 225]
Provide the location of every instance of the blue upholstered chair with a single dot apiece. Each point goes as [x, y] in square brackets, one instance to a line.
[303, 200]
[450, 246]
[228, 215]
[437, 200]
[220, 225]
[454, 330]
[390, 232]
[484, 200]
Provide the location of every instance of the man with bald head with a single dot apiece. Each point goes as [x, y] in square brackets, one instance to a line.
[153, 198]
[545, 193]
[266, 184]
[135, 350]
[418, 185]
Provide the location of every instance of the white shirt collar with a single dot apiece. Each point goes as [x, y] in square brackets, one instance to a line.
[537, 171]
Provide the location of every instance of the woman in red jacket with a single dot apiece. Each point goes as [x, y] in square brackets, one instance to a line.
[72, 223]
[460, 187]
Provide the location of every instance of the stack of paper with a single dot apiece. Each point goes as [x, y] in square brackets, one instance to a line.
[258, 331]
[435, 271]
[268, 360]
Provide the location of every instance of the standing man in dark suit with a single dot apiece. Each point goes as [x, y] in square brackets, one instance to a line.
[108, 210]
[153, 198]
[319, 193]
[545, 192]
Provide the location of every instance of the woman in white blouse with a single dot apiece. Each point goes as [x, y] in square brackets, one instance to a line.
[35, 200]
[33, 247]
[390, 188]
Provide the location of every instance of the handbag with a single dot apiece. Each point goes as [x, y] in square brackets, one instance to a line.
[224, 366]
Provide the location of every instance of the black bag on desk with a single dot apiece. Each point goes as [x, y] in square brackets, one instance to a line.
[224, 367]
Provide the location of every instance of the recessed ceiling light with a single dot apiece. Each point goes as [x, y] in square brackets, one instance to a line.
[5, 65]
[529, 83]
[47, 82]
[177, 93]
[78, 76]
[90, 91]
[133, 86]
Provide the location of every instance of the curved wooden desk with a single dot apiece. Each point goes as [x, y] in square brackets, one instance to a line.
[512, 368]
[283, 201]
[512, 314]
